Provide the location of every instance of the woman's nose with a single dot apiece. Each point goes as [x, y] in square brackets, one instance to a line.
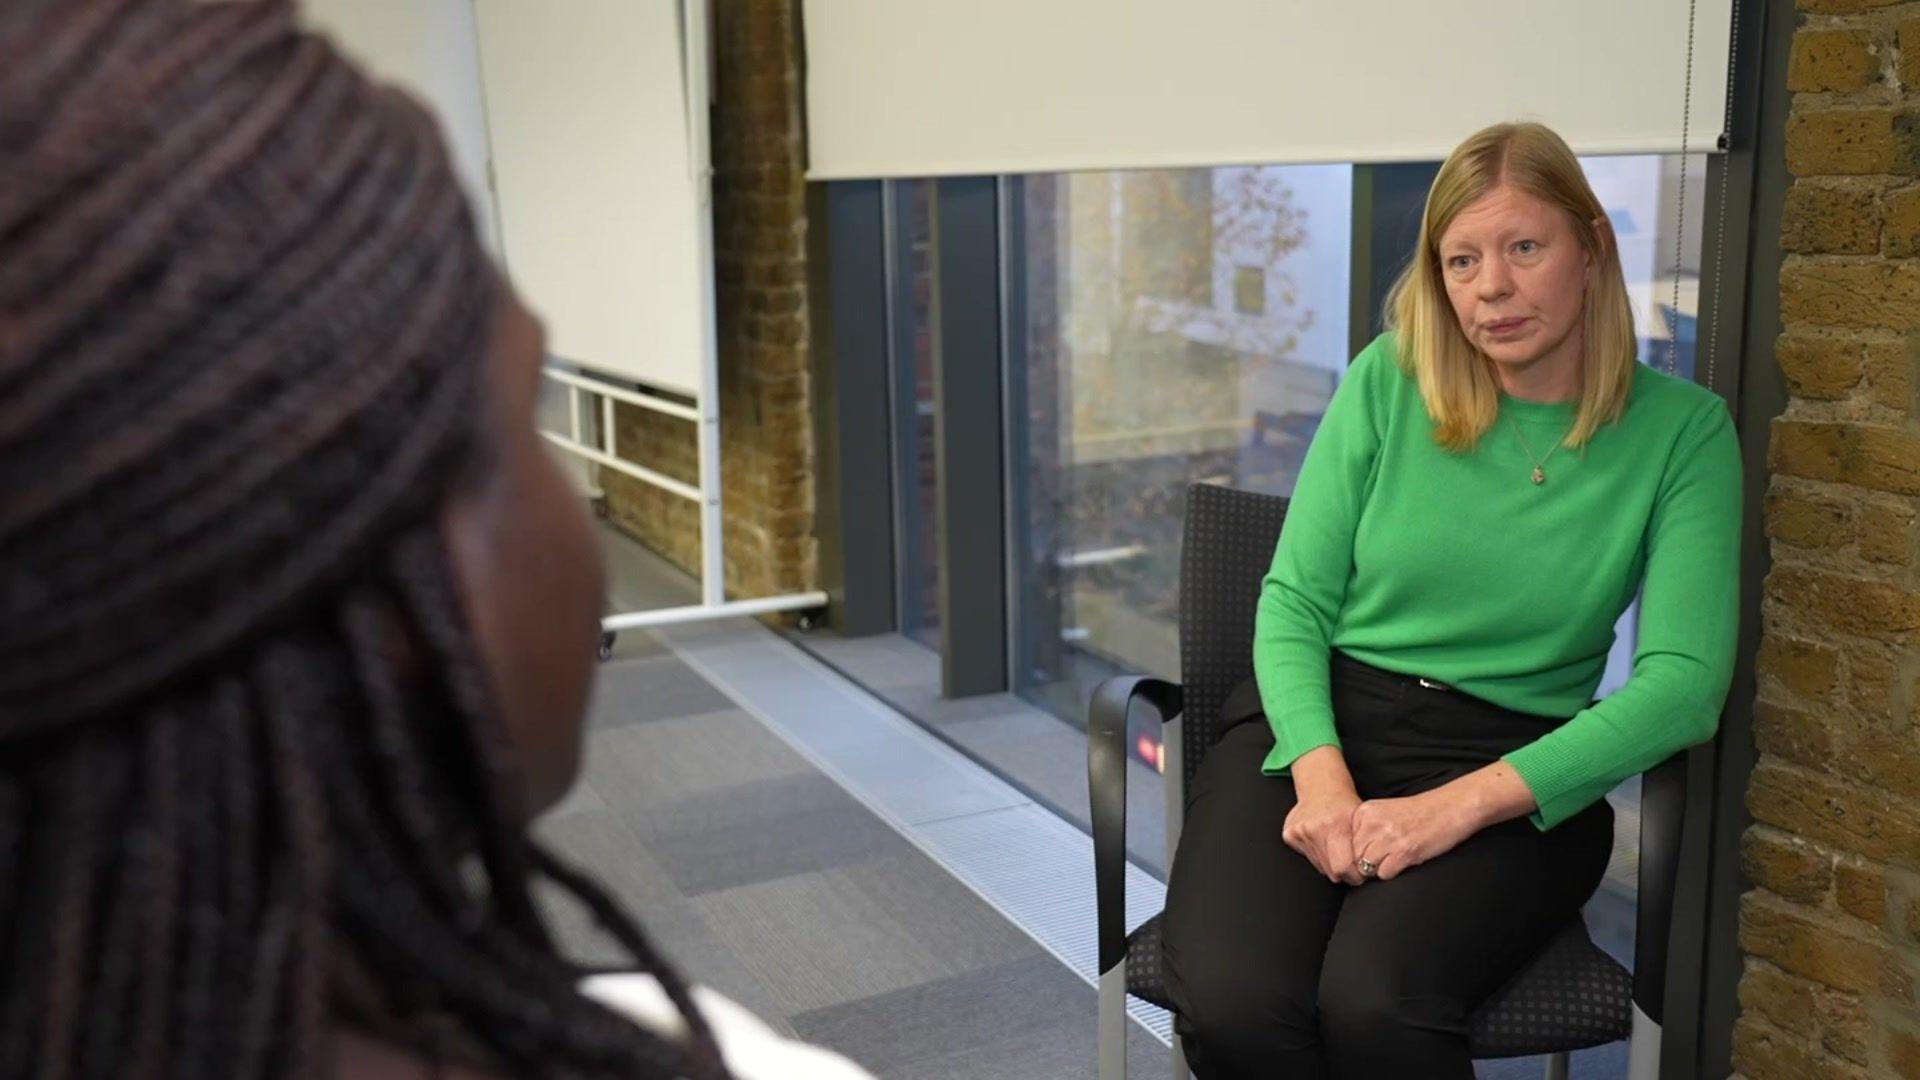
[1496, 280]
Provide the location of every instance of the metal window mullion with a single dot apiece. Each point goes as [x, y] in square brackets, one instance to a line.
[900, 433]
[969, 437]
[853, 436]
[1010, 279]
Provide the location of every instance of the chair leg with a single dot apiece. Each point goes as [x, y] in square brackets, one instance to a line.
[1643, 1053]
[1175, 770]
[1557, 1066]
[1113, 1023]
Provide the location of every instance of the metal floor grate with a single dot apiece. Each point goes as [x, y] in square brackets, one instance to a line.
[1030, 865]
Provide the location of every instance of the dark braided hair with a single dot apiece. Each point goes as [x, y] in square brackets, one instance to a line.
[253, 785]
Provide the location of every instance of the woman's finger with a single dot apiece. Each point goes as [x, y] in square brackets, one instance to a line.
[1301, 840]
[1392, 865]
[1366, 848]
[1362, 827]
[1339, 847]
[1345, 860]
[1359, 853]
[1317, 855]
[1340, 856]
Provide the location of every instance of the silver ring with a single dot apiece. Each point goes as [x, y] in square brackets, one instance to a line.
[1368, 868]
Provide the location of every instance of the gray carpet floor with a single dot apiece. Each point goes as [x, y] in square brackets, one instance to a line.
[758, 876]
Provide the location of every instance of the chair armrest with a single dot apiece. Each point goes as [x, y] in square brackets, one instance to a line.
[1107, 716]
[1663, 798]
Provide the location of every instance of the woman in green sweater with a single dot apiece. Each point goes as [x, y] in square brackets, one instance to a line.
[1422, 809]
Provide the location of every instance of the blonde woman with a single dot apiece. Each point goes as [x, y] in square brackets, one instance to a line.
[1422, 808]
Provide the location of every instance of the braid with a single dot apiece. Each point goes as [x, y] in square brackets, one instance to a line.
[295, 724]
[242, 311]
[153, 922]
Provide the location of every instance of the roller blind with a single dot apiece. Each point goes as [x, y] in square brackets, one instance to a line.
[586, 108]
[932, 88]
[427, 48]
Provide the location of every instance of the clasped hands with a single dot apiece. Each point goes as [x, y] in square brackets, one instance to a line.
[1335, 831]
[1335, 828]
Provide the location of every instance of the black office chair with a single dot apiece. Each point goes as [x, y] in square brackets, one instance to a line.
[1570, 996]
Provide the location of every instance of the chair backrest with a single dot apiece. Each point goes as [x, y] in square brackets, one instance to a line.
[1228, 546]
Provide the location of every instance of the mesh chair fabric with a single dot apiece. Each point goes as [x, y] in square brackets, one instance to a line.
[1228, 545]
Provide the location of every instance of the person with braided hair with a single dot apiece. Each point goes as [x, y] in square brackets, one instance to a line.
[296, 619]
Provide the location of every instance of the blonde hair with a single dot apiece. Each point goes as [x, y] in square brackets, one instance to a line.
[1456, 379]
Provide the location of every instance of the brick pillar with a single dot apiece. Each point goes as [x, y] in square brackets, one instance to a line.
[760, 267]
[1831, 928]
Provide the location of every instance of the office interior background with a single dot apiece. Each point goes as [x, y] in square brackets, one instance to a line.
[936, 378]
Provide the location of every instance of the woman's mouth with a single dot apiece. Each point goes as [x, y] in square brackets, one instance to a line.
[1506, 327]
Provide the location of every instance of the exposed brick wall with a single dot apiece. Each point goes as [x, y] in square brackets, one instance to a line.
[1831, 933]
[760, 283]
[665, 522]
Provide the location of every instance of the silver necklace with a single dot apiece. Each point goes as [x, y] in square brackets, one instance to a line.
[1539, 463]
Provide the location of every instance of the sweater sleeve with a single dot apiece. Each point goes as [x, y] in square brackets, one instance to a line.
[1306, 586]
[1689, 625]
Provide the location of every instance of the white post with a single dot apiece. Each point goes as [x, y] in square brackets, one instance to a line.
[693, 20]
[1112, 1023]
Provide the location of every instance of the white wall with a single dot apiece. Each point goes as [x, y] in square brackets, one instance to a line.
[427, 47]
[599, 200]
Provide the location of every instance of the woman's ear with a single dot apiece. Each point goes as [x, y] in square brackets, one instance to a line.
[1603, 236]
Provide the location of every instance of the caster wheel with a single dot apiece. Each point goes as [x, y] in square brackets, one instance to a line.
[606, 645]
[807, 620]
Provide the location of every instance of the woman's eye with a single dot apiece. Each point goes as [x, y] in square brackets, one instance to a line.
[1459, 262]
[1526, 247]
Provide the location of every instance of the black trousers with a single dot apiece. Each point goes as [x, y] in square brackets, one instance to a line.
[1276, 972]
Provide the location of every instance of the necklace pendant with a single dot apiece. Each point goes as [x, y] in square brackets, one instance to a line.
[1539, 475]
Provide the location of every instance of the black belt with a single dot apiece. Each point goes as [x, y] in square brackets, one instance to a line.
[1392, 676]
[1243, 703]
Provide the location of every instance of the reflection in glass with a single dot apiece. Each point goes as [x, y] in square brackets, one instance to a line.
[1181, 326]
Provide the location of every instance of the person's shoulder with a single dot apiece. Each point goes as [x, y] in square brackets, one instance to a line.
[1379, 370]
[1382, 352]
[1671, 392]
[1676, 402]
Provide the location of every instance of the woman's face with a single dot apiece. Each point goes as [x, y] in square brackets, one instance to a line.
[528, 566]
[1517, 277]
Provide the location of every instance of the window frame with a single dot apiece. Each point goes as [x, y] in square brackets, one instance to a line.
[977, 218]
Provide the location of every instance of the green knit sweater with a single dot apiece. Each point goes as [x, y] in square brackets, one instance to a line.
[1458, 568]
